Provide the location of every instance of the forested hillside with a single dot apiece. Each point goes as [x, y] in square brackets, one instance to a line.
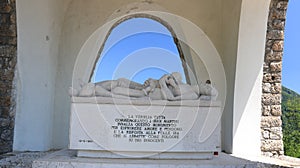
[291, 122]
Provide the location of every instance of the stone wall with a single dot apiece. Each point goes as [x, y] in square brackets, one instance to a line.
[8, 59]
[272, 143]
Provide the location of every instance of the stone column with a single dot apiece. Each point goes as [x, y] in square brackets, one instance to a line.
[8, 59]
[271, 139]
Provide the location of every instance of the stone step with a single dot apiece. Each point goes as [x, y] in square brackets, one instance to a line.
[67, 158]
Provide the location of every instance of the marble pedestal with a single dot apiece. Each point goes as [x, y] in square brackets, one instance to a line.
[118, 128]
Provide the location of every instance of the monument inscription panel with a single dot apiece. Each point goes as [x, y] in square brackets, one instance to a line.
[124, 130]
[146, 128]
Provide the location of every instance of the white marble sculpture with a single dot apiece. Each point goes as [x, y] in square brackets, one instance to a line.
[168, 87]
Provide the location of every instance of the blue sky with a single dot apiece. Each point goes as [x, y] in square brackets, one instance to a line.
[291, 55]
[138, 49]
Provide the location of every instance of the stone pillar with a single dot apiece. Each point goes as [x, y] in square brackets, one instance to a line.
[271, 139]
[8, 59]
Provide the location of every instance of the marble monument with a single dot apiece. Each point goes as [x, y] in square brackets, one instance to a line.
[162, 118]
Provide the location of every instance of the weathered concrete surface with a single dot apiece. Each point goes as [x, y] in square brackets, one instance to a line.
[20, 159]
[67, 158]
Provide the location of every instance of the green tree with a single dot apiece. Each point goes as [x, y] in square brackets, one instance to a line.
[291, 122]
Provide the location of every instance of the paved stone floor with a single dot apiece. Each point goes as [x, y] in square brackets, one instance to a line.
[20, 159]
[25, 160]
[67, 158]
[282, 160]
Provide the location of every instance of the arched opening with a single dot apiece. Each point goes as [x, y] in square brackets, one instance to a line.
[139, 47]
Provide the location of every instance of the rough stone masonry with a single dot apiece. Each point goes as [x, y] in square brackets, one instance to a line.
[8, 59]
[271, 124]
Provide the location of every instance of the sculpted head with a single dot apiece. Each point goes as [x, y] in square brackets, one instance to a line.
[177, 77]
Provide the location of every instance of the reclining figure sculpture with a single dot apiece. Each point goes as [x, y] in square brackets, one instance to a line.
[168, 87]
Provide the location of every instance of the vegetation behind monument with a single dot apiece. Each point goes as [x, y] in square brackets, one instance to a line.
[291, 122]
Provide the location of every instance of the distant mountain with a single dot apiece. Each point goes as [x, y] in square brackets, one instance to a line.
[291, 122]
[288, 94]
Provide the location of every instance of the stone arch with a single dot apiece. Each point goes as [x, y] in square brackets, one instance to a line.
[271, 124]
[152, 17]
